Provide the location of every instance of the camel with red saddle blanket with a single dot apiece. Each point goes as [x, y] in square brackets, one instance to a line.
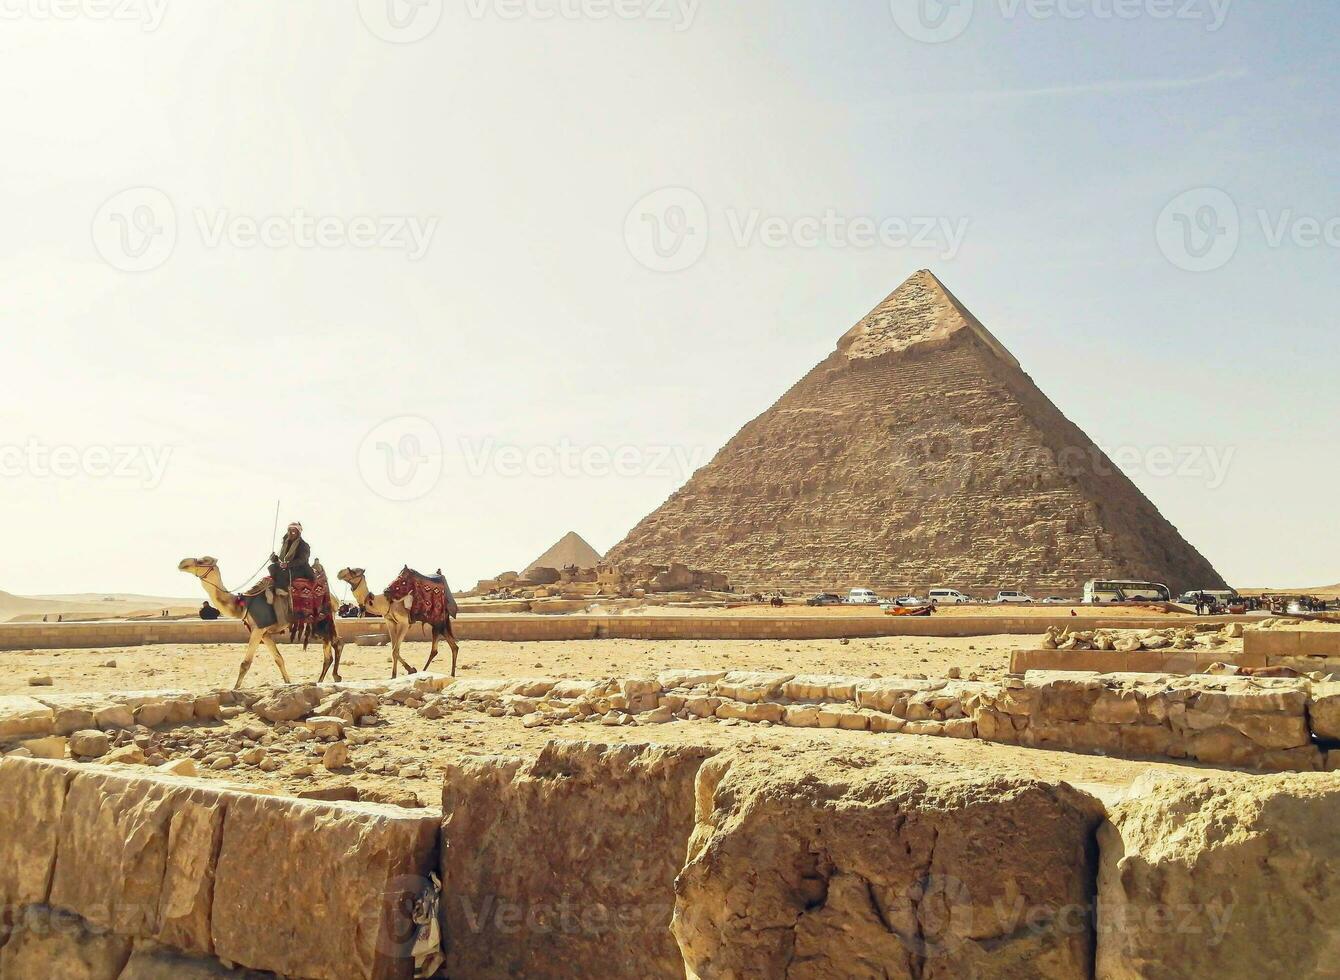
[411, 598]
[314, 615]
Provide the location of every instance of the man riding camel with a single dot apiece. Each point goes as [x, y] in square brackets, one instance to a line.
[292, 561]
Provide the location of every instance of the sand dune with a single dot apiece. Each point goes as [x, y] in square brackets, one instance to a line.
[91, 606]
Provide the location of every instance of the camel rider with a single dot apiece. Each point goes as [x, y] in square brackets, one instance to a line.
[293, 560]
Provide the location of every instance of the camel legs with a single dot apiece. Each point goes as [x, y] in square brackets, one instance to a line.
[326, 660]
[398, 631]
[270, 644]
[338, 645]
[247, 657]
[451, 642]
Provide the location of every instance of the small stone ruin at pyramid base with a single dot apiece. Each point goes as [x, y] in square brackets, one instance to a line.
[917, 455]
[605, 580]
[573, 570]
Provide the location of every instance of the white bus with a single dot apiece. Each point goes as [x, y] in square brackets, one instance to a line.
[1098, 590]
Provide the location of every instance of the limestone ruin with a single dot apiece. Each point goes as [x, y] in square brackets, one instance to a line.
[918, 454]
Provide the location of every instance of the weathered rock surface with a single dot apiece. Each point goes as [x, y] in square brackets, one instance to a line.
[49, 943]
[798, 869]
[566, 864]
[1230, 876]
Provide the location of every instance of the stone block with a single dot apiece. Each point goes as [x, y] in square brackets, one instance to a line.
[24, 717]
[566, 865]
[1228, 876]
[796, 868]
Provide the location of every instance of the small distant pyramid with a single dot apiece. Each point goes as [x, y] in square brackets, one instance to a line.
[918, 454]
[571, 549]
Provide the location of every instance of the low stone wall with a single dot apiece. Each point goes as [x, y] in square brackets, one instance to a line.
[1301, 644]
[1269, 724]
[533, 628]
[97, 863]
[565, 865]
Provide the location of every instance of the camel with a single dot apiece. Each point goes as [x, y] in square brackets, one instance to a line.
[253, 611]
[399, 617]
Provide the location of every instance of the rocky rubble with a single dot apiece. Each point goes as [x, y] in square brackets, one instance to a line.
[1200, 638]
[1262, 723]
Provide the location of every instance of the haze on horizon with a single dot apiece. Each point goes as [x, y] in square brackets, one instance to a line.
[447, 297]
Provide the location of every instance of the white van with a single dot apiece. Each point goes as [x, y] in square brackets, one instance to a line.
[862, 597]
[952, 597]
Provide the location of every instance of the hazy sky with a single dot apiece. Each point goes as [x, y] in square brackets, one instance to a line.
[450, 279]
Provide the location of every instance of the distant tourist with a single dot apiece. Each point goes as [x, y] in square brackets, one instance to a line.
[208, 612]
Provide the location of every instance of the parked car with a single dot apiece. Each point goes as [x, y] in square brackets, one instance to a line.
[1007, 595]
[1056, 600]
[906, 601]
[824, 599]
[862, 597]
[951, 597]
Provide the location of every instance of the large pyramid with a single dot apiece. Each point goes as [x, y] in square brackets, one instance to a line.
[571, 549]
[918, 454]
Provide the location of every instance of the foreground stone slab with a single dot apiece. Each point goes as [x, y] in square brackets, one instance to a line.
[565, 866]
[136, 855]
[1229, 876]
[301, 888]
[319, 890]
[799, 869]
[32, 799]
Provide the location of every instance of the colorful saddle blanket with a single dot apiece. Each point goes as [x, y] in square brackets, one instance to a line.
[310, 599]
[430, 600]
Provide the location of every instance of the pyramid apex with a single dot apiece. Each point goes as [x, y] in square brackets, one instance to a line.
[920, 311]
